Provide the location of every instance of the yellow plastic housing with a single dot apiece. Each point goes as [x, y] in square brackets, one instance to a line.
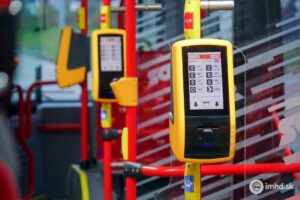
[126, 91]
[177, 129]
[95, 60]
[67, 77]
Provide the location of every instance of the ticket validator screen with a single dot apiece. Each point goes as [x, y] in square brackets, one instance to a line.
[206, 101]
[111, 62]
[111, 53]
[205, 81]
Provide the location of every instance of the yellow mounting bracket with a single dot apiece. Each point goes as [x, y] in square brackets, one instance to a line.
[192, 20]
[105, 19]
[126, 91]
[192, 181]
[67, 77]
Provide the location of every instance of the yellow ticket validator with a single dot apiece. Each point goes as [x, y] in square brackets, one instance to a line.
[108, 61]
[202, 117]
[72, 59]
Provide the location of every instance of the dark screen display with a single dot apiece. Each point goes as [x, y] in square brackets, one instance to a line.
[111, 63]
[207, 131]
[205, 80]
[111, 53]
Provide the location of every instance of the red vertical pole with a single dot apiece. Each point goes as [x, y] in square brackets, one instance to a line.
[107, 145]
[106, 2]
[121, 17]
[84, 98]
[130, 17]
[84, 121]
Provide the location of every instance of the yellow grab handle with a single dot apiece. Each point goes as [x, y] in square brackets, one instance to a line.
[125, 143]
[126, 91]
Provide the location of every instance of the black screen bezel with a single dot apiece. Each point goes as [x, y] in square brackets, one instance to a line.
[205, 48]
[106, 77]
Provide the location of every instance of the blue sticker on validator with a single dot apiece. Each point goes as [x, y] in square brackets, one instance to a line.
[189, 184]
[103, 115]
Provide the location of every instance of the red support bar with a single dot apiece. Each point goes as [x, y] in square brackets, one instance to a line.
[84, 122]
[28, 124]
[59, 127]
[31, 175]
[131, 72]
[21, 123]
[84, 97]
[107, 148]
[238, 169]
[121, 17]
[21, 136]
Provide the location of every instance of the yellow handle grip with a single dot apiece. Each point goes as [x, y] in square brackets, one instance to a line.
[126, 91]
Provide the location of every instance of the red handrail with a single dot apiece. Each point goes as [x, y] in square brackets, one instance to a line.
[28, 124]
[21, 122]
[236, 169]
[59, 127]
[21, 136]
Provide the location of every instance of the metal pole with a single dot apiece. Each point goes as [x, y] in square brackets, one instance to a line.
[84, 99]
[131, 112]
[217, 5]
[192, 30]
[139, 7]
[105, 23]
[205, 5]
